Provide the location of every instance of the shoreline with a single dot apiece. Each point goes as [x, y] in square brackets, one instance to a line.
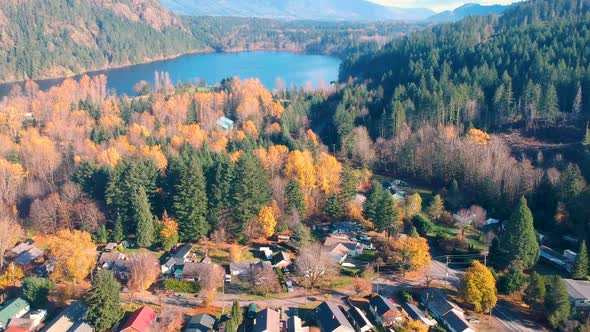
[90, 72]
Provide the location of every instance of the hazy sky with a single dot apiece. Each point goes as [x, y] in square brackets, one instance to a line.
[438, 5]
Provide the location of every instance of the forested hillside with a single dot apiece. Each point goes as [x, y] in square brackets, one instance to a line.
[527, 68]
[51, 38]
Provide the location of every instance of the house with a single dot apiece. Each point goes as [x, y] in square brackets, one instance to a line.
[120, 269]
[106, 259]
[416, 314]
[140, 320]
[266, 252]
[179, 257]
[330, 318]
[339, 253]
[384, 311]
[354, 248]
[281, 260]
[445, 311]
[579, 292]
[240, 269]
[16, 308]
[359, 320]
[294, 325]
[110, 247]
[21, 324]
[22, 247]
[224, 123]
[71, 319]
[192, 271]
[267, 320]
[206, 260]
[200, 323]
[555, 258]
[29, 256]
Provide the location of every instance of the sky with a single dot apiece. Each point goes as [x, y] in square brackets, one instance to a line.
[438, 5]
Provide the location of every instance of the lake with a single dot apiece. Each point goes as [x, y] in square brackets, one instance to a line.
[294, 69]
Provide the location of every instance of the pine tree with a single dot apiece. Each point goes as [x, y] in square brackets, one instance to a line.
[518, 241]
[577, 106]
[103, 301]
[436, 207]
[557, 302]
[250, 191]
[550, 104]
[586, 141]
[143, 218]
[373, 202]
[534, 294]
[348, 184]
[189, 199]
[101, 234]
[118, 235]
[236, 318]
[219, 188]
[295, 197]
[332, 207]
[387, 218]
[580, 270]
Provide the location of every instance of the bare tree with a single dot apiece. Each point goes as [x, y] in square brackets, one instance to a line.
[265, 280]
[50, 214]
[87, 215]
[315, 264]
[211, 277]
[169, 319]
[143, 270]
[10, 234]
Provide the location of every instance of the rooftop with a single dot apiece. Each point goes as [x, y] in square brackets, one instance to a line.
[183, 251]
[29, 256]
[329, 317]
[140, 320]
[578, 289]
[457, 322]
[267, 320]
[200, 323]
[382, 304]
[359, 317]
[70, 319]
[11, 309]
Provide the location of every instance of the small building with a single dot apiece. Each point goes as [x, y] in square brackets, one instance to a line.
[22, 247]
[281, 260]
[416, 314]
[240, 269]
[330, 318]
[16, 308]
[140, 320]
[71, 319]
[445, 311]
[266, 252]
[28, 256]
[107, 258]
[110, 246]
[200, 323]
[579, 292]
[267, 320]
[385, 312]
[225, 124]
[179, 257]
[359, 320]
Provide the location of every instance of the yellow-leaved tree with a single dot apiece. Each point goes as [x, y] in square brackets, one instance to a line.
[414, 205]
[328, 171]
[75, 254]
[266, 218]
[11, 276]
[478, 288]
[412, 253]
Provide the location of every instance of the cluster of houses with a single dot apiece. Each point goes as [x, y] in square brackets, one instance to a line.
[344, 241]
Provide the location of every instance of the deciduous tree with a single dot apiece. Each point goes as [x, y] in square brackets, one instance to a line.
[75, 254]
[436, 207]
[144, 270]
[478, 288]
[11, 233]
[267, 220]
[314, 264]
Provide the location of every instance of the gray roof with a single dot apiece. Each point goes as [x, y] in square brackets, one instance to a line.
[29, 256]
[193, 270]
[183, 251]
[456, 322]
[267, 320]
[413, 311]
[225, 123]
[578, 289]
[437, 302]
[281, 256]
[109, 257]
[240, 266]
[200, 323]
[359, 317]
[382, 305]
[71, 319]
[329, 317]
[294, 324]
[22, 247]
[111, 246]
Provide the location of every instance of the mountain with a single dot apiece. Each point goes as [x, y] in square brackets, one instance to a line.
[470, 9]
[53, 38]
[349, 10]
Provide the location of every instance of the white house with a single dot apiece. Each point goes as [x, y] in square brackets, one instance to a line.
[579, 292]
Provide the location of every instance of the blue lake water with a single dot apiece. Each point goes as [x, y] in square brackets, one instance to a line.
[294, 69]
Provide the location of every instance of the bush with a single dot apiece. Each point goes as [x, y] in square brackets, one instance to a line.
[406, 296]
[422, 223]
[181, 286]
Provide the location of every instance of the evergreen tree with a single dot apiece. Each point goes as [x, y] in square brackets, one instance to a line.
[219, 188]
[118, 235]
[250, 191]
[550, 104]
[347, 184]
[332, 207]
[101, 234]
[104, 309]
[189, 199]
[512, 282]
[301, 236]
[144, 219]
[580, 270]
[295, 197]
[518, 241]
[373, 202]
[557, 302]
[586, 141]
[36, 290]
[236, 318]
[577, 106]
[534, 294]
[436, 207]
[387, 218]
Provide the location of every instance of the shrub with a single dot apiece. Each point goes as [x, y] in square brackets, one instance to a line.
[181, 286]
[422, 223]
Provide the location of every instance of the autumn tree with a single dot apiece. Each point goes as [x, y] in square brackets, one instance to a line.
[328, 171]
[75, 254]
[11, 276]
[168, 232]
[478, 288]
[144, 270]
[104, 308]
[362, 286]
[414, 326]
[11, 233]
[235, 253]
[411, 254]
[436, 207]
[11, 177]
[300, 167]
[413, 205]
[266, 218]
[265, 280]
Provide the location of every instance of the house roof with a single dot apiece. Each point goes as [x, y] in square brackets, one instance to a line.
[281, 256]
[339, 251]
[193, 270]
[28, 256]
[183, 251]
[71, 319]
[578, 289]
[109, 257]
[239, 266]
[329, 317]
[437, 301]
[359, 317]
[225, 123]
[413, 311]
[120, 266]
[200, 323]
[16, 324]
[267, 320]
[170, 262]
[22, 247]
[11, 309]
[111, 246]
[455, 321]
[383, 305]
[140, 320]
[206, 260]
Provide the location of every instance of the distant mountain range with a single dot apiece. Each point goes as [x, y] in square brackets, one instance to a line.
[470, 9]
[344, 10]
